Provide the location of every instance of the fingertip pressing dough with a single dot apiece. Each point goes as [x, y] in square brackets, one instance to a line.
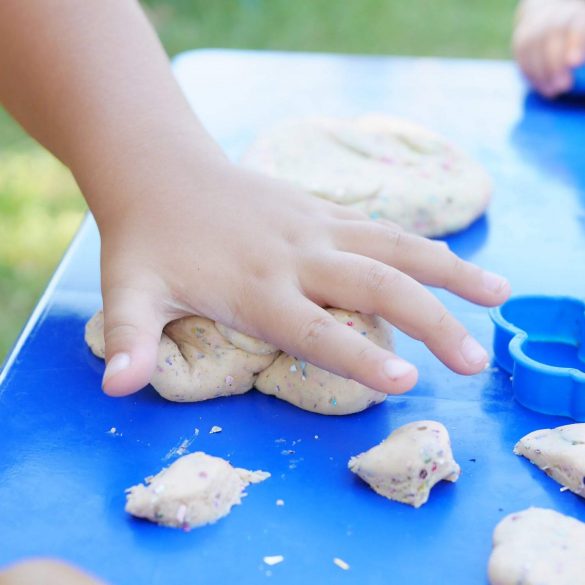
[538, 547]
[317, 390]
[199, 359]
[405, 466]
[559, 452]
[385, 166]
[195, 361]
[195, 490]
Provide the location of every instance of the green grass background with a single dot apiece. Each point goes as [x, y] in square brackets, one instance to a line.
[40, 206]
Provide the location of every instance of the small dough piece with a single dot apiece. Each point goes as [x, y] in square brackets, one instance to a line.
[45, 572]
[195, 362]
[559, 452]
[405, 466]
[385, 166]
[538, 547]
[195, 490]
[317, 390]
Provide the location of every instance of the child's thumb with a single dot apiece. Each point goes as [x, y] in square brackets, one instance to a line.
[132, 332]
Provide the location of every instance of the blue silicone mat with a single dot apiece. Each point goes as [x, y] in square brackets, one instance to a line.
[63, 470]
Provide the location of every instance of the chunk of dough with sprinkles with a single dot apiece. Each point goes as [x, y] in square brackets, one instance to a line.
[559, 452]
[384, 166]
[195, 490]
[405, 466]
[195, 361]
[538, 547]
[317, 390]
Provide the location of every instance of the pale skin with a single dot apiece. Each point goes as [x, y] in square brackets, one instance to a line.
[184, 231]
[549, 42]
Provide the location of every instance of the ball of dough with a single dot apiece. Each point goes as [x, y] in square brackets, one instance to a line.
[195, 362]
[195, 490]
[559, 452]
[538, 547]
[405, 466]
[317, 390]
[387, 167]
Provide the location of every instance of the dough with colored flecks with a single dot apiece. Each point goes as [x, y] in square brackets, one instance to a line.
[384, 166]
[195, 361]
[195, 490]
[317, 390]
[538, 547]
[199, 359]
[405, 466]
[559, 452]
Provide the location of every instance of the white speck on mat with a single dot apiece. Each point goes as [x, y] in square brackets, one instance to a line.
[341, 564]
[280, 502]
[316, 436]
[215, 429]
[112, 431]
[273, 560]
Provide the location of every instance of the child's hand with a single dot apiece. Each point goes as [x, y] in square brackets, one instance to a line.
[263, 257]
[184, 231]
[549, 42]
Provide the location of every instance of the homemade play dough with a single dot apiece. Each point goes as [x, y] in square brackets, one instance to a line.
[196, 489]
[559, 452]
[317, 390]
[538, 547]
[385, 166]
[199, 359]
[405, 466]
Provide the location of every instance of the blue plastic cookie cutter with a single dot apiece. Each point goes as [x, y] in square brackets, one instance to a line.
[540, 340]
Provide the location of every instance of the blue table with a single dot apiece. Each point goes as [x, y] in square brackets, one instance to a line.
[63, 473]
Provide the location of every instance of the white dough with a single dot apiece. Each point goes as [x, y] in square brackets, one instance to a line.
[385, 166]
[538, 547]
[559, 452]
[199, 359]
[317, 390]
[196, 489]
[405, 466]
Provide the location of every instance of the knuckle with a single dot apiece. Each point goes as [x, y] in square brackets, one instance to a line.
[312, 332]
[380, 279]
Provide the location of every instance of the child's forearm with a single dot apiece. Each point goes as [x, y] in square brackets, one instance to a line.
[92, 83]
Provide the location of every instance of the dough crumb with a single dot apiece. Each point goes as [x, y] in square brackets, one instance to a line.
[560, 453]
[538, 547]
[215, 429]
[195, 490]
[280, 502]
[405, 466]
[341, 563]
[273, 560]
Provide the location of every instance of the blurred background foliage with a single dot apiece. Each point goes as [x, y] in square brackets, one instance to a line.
[40, 206]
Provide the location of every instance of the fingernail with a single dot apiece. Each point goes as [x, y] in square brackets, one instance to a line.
[494, 282]
[397, 368]
[473, 353]
[118, 363]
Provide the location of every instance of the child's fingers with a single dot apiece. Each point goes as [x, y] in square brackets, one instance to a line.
[575, 45]
[311, 333]
[556, 73]
[355, 282]
[430, 262]
[132, 332]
